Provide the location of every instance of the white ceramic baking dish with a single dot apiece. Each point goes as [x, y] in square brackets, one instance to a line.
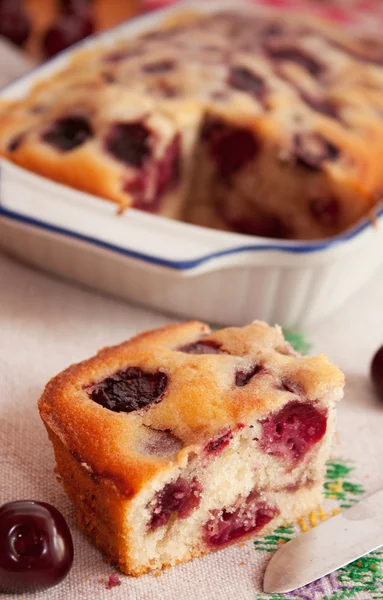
[183, 269]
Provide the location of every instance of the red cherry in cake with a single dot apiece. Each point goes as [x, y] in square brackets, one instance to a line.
[15, 143]
[202, 347]
[289, 385]
[321, 105]
[311, 150]
[36, 548]
[325, 210]
[38, 109]
[297, 56]
[294, 430]
[161, 175]
[137, 187]
[235, 523]
[68, 133]
[163, 89]
[130, 143]
[180, 497]
[114, 57]
[261, 224]
[376, 371]
[120, 55]
[14, 22]
[159, 67]
[108, 77]
[242, 378]
[241, 78]
[216, 445]
[230, 148]
[272, 29]
[67, 30]
[129, 389]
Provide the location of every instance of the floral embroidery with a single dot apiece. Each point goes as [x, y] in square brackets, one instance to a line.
[363, 577]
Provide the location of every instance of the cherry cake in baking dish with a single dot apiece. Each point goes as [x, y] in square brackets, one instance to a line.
[256, 122]
[182, 441]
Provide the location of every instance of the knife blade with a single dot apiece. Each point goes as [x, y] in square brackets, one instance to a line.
[329, 546]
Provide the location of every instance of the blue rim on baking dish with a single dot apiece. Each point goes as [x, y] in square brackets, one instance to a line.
[184, 265]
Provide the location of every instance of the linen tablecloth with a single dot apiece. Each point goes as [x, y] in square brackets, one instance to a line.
[46, 324]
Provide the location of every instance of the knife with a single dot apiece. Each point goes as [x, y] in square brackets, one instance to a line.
[327, 547]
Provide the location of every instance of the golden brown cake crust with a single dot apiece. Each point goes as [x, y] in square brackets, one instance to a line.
[112, 445]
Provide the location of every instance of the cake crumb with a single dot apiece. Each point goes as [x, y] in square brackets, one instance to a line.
[102, 580]
[157, 574]
[241, 563]
[85, 579]
[113, 581]
[242, 545]
[281, 541]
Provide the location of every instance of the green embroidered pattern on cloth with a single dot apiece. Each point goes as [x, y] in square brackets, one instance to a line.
[297, 340]
[362, 578]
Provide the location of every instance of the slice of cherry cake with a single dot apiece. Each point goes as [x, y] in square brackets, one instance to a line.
[182, 441]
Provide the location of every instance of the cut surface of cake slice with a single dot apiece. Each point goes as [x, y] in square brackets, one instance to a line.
[182, 441]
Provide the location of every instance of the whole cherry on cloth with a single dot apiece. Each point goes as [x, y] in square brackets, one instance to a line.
[376, 371]
[36, 548]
